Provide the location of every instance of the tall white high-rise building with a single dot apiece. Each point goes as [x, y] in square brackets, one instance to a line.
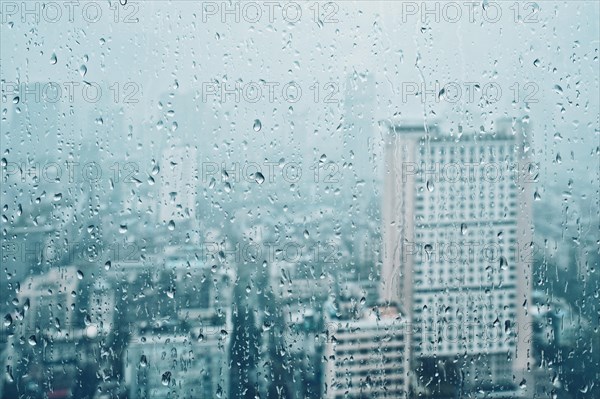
[367, 353]
[458, 245]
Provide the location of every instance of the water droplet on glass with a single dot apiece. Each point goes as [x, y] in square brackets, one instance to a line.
[441, 94]
[558, 89]
[83, 70]
[8, 320]
[143, 361]
[259, 178]
[463, 228]
[53, 59]
[430, 186]
[257, 125]
[107, 265]
[523, 384]
[32, 340]
[503, 263]
[171, 225]
[428, 250]
[166, 378]
[79, 274]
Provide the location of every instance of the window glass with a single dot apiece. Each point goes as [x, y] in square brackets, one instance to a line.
[300, 199]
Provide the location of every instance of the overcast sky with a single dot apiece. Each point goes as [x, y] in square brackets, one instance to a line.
[553, 59]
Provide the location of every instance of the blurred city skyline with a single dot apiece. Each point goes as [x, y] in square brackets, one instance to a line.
[300, 199]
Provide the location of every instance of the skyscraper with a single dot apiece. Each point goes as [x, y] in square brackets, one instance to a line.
[367, 351]
[457, 247]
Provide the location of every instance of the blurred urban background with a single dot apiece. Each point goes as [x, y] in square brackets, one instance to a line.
[300, 199]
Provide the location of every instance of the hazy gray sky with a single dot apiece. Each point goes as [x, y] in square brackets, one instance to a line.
[554, 60]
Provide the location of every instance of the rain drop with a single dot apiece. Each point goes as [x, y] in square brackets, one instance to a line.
[9, 375]
[428, 250]
[166, 378]
[558, 89]
[523, 384]
[259, 178]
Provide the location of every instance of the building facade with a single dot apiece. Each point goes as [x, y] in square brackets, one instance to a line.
[367, 352]
[458, 246]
